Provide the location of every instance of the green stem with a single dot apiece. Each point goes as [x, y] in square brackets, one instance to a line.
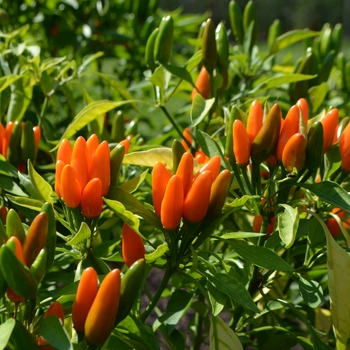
[198, 336]
[246, 179]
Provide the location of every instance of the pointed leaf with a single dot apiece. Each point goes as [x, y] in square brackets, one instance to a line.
[200, 108]
[161, 249]
[26, 202]
[133, 184]
[311, 291]
[217, 299]
[288, 223]
[7, 80]
[180, 72]
[83, 233]
[317, 94]
[148, 158]
[5, 332]
[42, 188]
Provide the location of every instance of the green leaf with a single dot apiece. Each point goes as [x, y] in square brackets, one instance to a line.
[160, 251]
[311, 291]
[52, 331]
[11, 186]
[5, 332]
[261, 256]
[230, 286]
[200, 108]
[239, 202]
[222, 337]
[288, 223]
[42, 187]
[241, 235]
[87, 60]
[158, 79]
[148, 158]
[133, 184]
[217, 299]
[317, 94]
[179, 72]
[51, 62]
[291, 38]
[7, 80]
[83, 233]
[26, 202]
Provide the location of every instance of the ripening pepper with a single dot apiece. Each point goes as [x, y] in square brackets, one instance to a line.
[234, 115]
[133, 247]
[14, 146]
[178, 150]
[241, 144]
[222, 45]
[213, 165]
[14, 225]
[329, 122]
[294, 152]
[185, 171]
[7, 136]
[209, 50]
[254, 120]
[302, 103]
[314, 149]
[202, 84]
[51, 232]
[187, 134]
[116, 160]
[160, 178]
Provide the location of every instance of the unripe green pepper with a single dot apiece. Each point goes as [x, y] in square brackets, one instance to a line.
[28, 149]
[14, 226]
[236, 21]
[325, 40]
[222, 46]
[249, 16]
[209, 50]
[337, 37]
[17, 275]
[265, 141]
[38, 268]
[118, 129]
[129, 289]
[14, 149]
[178, 150]
[275, 30]
[116, 160]
[326, 67]
[149, 51]
[163, 47]
[51, 232]
[314, 148]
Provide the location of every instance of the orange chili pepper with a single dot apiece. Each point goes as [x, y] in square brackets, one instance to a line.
[289, 128]
[302, 103]
[91, 198]
[126, 144]
[329, 123]
[241, 143]
[101, 167]
[79, 161]
[101, 317]
[6, 140]
[344, 148]
[3, 214]
[37, 136]
[203, 84]
[92, 143]
[332, 224]
[84, 298]
[2, 136]
[172, 204]
[133, 248]
[70, 186]
[294, 152]
[185, 171]
[201, 157]
[213, 165]
[59, 167]
[160, 179]
[197, 200]
[255, 120]
[65, 151]
[188, 136]
[257, 222]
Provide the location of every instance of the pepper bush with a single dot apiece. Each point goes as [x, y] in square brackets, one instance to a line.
[186, 190]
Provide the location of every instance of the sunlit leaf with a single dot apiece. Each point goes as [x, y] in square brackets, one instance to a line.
[317, 94]
[288, 223]
[200, 109]
[311, 291]
[161, 249]
[5, 332]
[83, 233]
[148, 158]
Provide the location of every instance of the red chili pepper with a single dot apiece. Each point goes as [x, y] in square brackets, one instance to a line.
[289, 128]
[65, 151]
[133, 248]
[302, 103]
[100, 320]
[70, 187]
[79, 161]
[197, 200]
[203, 84]
[37, 136]
[333, 225]
[213, 165]
[294, 152]
[241, 143]
[91, 198]
[6, 140]
[255, 120]
[55, 309]
[329, 122]
[84, 298]
[257, 222]
[3, 214]
[160, 178]
[172, 204]
[100, 166]
[185, 171]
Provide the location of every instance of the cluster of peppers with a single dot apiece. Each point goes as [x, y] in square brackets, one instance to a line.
[19, 141]
[26, 256]
[186, 194]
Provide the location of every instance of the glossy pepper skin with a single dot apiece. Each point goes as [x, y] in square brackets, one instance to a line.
[254, 120]
[329, 122]
[149, 51]
[101, 317]
[185, 171]
[314, 152]
[14, 226]
[294, 152]
[163, 46]
[116, 160]
[160, 178]
[51, 232]
[133, 247]
[91, 198]
[202, 84]
[236, 21]
[241, 144]
[209, 50]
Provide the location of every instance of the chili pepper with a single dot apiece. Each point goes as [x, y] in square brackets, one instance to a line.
[302, 103]
[28, 148]
[91, 198]
[213, 165]
[344, 148]
[84, 298]
[343, 123]
[337, 37]
[101, 317]
[187, 134]
[6, 140]
[38, 267]
[209, 50]
[133, 247]
[172, 203]
[16, 247]
[329, 122]
[118, 129]
[275, 30]
[222, 46]
[37, 136]
[150, 49]
[58, 172]
[201, 157]
[160, 179]
[234, 115]
[130, 286]
[185, 171]
[202, 84]
[314, 152]
[55, 309]
[65, 151]
[265, 141]
[254, 120]
[218, 194]
[249, 16]
[14, 148]
[236, 21]
[241, 144]
[51, 232]
[2, 137]
[326, 67]
[91, 144]
[17, 275]
[163, 46]
[101, 166]
[79, 161]
[3, 235]
[70, 187]
[325, 40]
[178, 151]
[289, 128]
[14, 225]
[116, 160]
[197, 200]
[294, 152]
[36, 237]
[257, 222]
[332, 223]
[126, 144]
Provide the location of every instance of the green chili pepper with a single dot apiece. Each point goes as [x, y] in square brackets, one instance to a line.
[14, 149]
[149, 51]
[14, 226]
[249, 17]
[21, 338]
[314, 148]
[209, 50]
[236, 21]
[337, 37]
[163, 47]
[28, 149]
[222, 46]
[116, 160]
[51, 233]
[325, 40]
[129, 289]
[178, 150]
[16, 274]
[275, 30]
[147, 28]
[326, 67]
[38, 268]
[265, 141]
[3, 235]
[118, 130]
